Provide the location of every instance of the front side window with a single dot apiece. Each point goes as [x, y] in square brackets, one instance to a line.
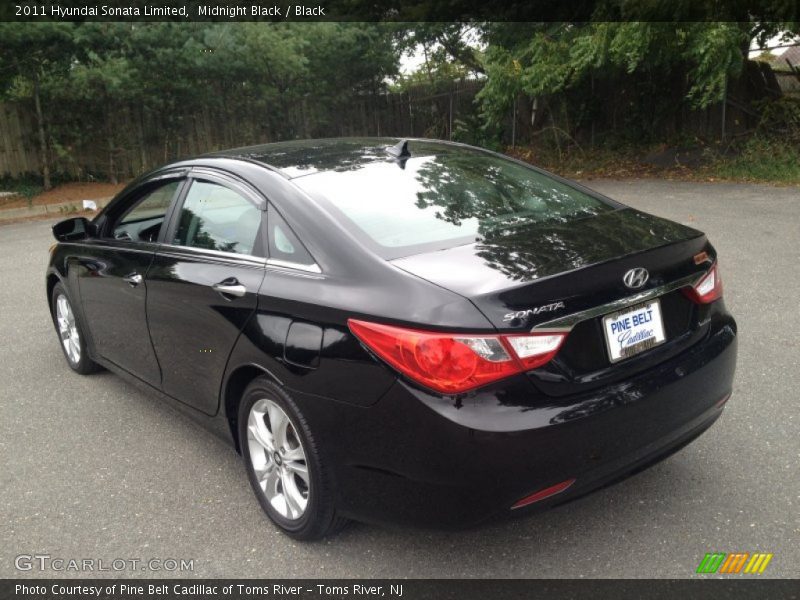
[214, 217]
[142, 222]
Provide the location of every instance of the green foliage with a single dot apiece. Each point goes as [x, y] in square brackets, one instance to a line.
[773, 153]
[29, 51]
[115, 88]
[762, 159]
[451, 42]
[103, 86]
[545, 60]
[470, 130]
[714, 51]
[502, 87]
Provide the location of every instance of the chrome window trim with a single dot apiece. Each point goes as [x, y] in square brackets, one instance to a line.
[123, 247]
[197, 252]
[568, 322]
[285, 264]
[208, 254]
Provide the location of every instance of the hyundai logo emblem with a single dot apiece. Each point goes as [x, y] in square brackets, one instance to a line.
[636, 278]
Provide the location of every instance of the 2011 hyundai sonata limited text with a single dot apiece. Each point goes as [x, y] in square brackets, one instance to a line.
[403, 331]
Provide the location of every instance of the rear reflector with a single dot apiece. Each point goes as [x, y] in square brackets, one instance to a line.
[545, 493]
[455, 363]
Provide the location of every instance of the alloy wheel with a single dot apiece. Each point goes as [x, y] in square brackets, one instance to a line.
[68, 329]
[278, 459]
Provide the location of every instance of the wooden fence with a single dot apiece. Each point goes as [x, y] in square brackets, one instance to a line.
[140, 141]
[18, 153]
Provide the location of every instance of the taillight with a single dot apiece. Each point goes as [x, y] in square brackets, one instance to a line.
[708, 289]
[455, 363]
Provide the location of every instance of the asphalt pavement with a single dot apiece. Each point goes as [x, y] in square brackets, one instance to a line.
[92, 468]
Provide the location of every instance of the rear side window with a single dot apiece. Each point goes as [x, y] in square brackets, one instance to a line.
[443, 199]
[215, 217]
[283, 243]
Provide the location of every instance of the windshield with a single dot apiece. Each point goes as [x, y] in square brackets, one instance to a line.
[452, 198]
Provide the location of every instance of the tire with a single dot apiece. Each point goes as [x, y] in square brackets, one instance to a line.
[71, 333]
[284, 464]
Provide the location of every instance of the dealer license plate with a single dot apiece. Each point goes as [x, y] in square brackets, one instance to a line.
[633, 330]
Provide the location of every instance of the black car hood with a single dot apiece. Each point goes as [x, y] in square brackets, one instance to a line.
[509, 271]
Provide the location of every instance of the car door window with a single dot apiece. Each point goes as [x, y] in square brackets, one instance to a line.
[215, 217]
[142, 222]
[283, 243]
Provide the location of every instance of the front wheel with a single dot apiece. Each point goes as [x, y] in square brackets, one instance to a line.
[70, 333]
[284, 464]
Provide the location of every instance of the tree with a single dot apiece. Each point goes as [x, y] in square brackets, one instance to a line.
[669, 64]
[29, 55]
[456, 43]
[550, 59]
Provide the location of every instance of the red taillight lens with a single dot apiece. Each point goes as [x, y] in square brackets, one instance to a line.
[708, 289]
[455, 363]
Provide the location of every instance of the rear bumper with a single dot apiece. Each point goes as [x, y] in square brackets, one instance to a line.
[432, 461]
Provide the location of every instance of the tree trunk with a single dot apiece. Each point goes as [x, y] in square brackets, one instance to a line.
[142, 143]
[112, 167]
[42, 137]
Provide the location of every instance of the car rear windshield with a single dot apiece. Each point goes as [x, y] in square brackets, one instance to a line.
[446, 199]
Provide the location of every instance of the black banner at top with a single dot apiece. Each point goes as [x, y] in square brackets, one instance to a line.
[409, 10]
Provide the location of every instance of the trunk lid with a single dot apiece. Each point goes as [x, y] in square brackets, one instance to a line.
[527, 276]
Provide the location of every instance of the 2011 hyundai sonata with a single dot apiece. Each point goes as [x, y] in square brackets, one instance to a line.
[400, 330]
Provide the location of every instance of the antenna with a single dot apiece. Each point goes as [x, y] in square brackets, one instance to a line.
[399, 150]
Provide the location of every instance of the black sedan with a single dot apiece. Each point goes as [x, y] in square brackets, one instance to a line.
[402, 331]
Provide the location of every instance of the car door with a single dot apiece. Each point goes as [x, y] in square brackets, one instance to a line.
[203, 285]
[113, 268]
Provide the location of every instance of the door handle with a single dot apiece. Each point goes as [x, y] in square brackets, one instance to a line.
[230, 287]
[133, 279]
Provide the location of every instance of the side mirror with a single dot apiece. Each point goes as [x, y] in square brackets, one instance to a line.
[77, 228]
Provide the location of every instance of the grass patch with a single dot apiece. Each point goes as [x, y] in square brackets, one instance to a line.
[603, 162]
[758, 160]
[761, 160]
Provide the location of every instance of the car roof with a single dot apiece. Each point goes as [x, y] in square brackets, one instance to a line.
[298, 158]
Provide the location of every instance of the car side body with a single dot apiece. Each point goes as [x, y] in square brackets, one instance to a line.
[196, 326]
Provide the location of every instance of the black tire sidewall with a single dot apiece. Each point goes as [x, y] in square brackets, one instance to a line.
[318, 517]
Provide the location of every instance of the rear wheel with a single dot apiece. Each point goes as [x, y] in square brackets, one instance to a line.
[70, 333]
[284, 464]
